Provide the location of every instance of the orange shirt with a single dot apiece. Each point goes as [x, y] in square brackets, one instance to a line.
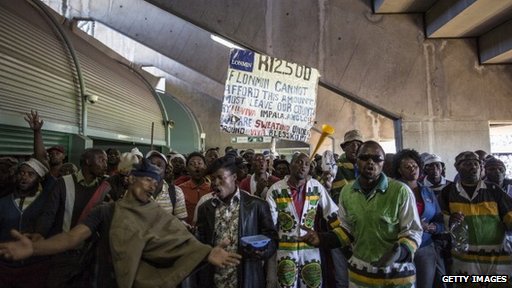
[192, 194]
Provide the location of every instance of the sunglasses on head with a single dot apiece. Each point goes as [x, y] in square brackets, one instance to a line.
[366, 157]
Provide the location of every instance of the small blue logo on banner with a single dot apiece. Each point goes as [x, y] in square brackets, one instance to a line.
[241, 60]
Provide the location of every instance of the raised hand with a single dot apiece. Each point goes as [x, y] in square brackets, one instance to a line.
[33, 120]
[17, 250]
[311, 236]
[222, 258]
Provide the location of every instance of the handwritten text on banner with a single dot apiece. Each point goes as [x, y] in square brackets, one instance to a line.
[265, 96]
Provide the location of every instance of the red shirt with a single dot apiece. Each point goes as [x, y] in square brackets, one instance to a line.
[192, 194]
[245, 184]
[298, 197]
[182, 179]
[420, 205]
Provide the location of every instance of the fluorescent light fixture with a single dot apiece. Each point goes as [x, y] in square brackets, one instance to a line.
[225, 42]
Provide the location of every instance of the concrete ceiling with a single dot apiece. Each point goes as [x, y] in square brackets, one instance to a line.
[487, 20]
[143, 55]
[181, 33]
[187, 47]
[186, 41]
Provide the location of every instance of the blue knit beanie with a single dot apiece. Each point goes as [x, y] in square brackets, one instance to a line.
[146, 169]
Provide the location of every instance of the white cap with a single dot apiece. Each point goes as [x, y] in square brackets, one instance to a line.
[156, 153]
[39, 167]
[177, 155]
[432, 158]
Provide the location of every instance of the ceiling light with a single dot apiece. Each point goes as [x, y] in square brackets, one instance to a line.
[225, 42]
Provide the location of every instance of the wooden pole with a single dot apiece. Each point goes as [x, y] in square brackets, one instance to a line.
[152, 133]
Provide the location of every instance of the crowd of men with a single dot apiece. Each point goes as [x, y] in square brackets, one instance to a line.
[134, 220]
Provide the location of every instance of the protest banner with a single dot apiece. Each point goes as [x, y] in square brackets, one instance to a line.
[265, 96]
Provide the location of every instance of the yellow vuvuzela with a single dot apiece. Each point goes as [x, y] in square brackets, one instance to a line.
[326, 131]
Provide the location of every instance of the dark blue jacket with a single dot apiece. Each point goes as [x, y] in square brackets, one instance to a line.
[11, 217]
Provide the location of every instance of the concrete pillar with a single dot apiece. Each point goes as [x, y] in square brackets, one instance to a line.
[433, 136]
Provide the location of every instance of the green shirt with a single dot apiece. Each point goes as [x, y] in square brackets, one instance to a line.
[378, 221]
[373, 223]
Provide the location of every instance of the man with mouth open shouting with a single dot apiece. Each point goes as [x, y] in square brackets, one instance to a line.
[230, 215]
[380, 220]
[148, 246]
[293, 203]
[197, 186]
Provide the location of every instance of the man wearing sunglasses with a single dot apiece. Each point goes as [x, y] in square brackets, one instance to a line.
[380, 220]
